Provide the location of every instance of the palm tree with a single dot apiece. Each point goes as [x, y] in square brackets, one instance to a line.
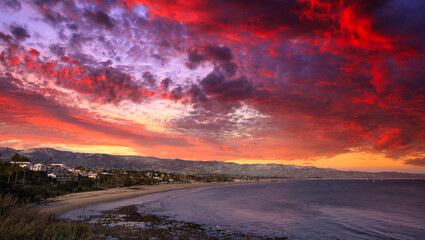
[10, 171]
[24, 169]
[16, 172]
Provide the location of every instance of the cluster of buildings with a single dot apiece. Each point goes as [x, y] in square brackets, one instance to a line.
[57, 171]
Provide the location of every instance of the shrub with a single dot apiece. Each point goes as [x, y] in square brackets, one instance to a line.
[20, 221]
[86, 182]
[67, 186]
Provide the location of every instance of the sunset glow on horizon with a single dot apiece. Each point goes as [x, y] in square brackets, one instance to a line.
[336, 84]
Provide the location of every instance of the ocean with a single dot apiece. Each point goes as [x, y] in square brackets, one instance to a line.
[304, 209]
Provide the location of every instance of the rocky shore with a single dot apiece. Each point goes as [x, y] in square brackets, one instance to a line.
[127, 223]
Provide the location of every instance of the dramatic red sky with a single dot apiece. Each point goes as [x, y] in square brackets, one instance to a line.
[336, 83]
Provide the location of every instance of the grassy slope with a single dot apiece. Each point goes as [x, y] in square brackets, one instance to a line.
[20, 221]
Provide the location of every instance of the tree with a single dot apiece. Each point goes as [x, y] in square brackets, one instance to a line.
[81, 168]
[24, 169]
[18, 158]
[15, 158]
[10, 171]
[86, 182]
[16, 168]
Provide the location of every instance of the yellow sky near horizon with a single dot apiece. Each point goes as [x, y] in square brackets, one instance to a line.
[352, 161]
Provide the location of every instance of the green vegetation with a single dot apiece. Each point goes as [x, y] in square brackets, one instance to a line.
[19, 221]
[126, 178]
[36, 186]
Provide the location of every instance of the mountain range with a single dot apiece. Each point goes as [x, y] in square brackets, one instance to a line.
[105, 161]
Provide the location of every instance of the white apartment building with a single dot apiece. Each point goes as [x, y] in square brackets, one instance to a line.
[49, 168]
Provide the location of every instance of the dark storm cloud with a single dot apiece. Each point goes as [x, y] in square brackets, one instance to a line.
[403, 19]
[47, 2]
[54, 17]
[107, 63]
[197, 95]
[234, 89]
[165, 83]
[229, 68]
[52, 13]
[77, 40]
[215, 54]
[99, 17]
[19, 33]
[5, 37]
[57, 49]
[9, 83]
[218, 53]
[149, 78]
[177, 93]
[220, 56]
[12, 4]
[415, 162]
[195, 56]
[85, 59]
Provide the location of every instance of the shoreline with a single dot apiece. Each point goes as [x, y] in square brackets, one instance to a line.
[65, 203]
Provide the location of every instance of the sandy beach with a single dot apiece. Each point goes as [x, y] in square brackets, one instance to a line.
[65, 203]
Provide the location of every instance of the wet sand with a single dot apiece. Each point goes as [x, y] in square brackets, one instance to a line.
[69, 202]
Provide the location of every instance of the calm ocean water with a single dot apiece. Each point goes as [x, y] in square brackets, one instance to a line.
[318, 209]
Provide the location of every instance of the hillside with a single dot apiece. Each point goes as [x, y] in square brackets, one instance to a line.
[105, 161]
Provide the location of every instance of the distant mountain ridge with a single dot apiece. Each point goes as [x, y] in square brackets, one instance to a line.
[105, 161]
